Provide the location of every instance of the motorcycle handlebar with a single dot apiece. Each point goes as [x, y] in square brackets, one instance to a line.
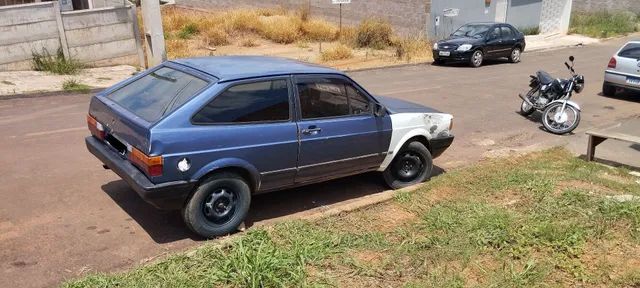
[567, 64]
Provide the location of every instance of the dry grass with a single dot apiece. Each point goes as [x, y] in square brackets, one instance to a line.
[411, 48]
[249, 42]
[216, 37]
[319, 30]
[374, 33]
[282, 29]
[338, 52]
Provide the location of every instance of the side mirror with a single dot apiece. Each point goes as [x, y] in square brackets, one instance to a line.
[379, 110]
[571, 58]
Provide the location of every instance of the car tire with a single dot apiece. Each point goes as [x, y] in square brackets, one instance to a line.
[608, 90]
[514, 57]
[404, 171]
[476, 59]
[218, 206]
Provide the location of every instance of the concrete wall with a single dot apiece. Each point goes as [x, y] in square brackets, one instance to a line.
[407, 16]
[611, 5]
[97, 37]
[469, 11]
[524, 13]
[555, 16]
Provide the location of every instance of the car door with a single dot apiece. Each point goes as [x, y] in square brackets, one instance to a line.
[338, 132]
[508, 41]
[494, 42]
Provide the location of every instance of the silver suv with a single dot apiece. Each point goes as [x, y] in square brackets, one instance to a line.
[623, 71]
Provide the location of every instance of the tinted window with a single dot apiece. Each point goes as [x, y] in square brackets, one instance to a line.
[495, 33]
[253, 102]
[157, 93]
[323, 98]
[358, 103]
[507, 33]
[631, 50]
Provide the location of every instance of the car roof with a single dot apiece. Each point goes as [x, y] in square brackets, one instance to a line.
[227, 68]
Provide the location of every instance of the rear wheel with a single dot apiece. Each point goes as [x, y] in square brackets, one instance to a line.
[514, 57]
[608, 90]
[525, 108]
[412, 165]
[476, 59]
[218, 206]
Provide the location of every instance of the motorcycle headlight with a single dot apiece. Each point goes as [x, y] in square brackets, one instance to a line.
[578, 88]
[464, 47]
[435, 46]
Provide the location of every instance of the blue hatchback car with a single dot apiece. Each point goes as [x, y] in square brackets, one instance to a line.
[205, 134]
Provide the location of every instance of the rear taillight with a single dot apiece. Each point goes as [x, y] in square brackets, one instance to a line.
[150, 165]
[612, 63]
[95, 127]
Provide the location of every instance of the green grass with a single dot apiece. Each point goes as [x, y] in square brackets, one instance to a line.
[55, 63]
[73, 85]
[534, 30]
[187, 31]
[604, 24]
[540, 220]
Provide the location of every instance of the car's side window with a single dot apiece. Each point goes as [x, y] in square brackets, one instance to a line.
[264, 101]
[506, 33]
[358, 103]
[494, 34]
[321, 98]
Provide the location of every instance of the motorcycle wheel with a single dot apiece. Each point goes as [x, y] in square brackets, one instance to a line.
[525, 108]
[560, 123]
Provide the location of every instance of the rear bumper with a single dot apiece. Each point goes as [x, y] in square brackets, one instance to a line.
[454, 56]
[619, 80]
[439, 145]
[166, 196]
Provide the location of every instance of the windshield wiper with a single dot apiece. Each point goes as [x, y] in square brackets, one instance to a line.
[163, 77]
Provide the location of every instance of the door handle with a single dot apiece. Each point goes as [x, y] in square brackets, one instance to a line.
[312, 130]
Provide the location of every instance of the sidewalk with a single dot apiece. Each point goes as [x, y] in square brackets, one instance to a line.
[22, 82]
[556, 41]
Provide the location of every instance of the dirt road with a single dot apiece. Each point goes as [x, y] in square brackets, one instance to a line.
[62, 214]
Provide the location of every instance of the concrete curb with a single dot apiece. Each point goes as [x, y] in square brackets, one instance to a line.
[48, 94]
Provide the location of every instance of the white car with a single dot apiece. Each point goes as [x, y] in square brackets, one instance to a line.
[623, 71]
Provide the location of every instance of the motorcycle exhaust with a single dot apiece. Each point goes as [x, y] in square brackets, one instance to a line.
[526, 100]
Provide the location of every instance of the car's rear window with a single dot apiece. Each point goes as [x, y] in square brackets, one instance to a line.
[158, 93]
[631, 50]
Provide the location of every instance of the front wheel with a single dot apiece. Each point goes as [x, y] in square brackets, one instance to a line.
[218, 206]
[560, 122]
[412, 165]
[514, 57]
[476, 59]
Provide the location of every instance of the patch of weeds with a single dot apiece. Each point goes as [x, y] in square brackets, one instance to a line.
[411, 47]
[532, 30]
[249, 42]
[5, 82]
[603, 24]
[338, 52]
[319, 30]
[374, 33]
[531, 274]
[188, 31]
[104, 78]
[56, 64]
[216, 37]
[73, 85]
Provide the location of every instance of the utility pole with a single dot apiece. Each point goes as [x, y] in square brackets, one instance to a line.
[153, 32]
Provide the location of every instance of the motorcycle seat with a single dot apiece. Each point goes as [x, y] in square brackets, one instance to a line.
[544, 77]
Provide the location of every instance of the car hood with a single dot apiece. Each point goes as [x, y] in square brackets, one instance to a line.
[395, 106]
[459, 41]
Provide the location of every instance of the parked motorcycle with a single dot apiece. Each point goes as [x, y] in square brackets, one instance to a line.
[551, 96]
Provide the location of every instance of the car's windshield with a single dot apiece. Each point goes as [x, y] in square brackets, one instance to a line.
[631, 50]
[157, 93]
[472, 30]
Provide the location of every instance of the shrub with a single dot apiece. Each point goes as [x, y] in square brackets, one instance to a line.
[348, 36]
[188, 31]
[374, 33]
[177, 48]
[174, 19]
[603, 24]
[249, 42]
[56, 64]
[282, 29]
[216, 36]
[413, 47]
[319, 30]
[338, 52]
[535, 30]
[242, 21]
[75, 85]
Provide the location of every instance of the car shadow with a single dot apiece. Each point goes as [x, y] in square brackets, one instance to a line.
[464, 64]
[624, 96]
[167, 226]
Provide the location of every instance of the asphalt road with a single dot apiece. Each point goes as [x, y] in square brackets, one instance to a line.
[62, 214]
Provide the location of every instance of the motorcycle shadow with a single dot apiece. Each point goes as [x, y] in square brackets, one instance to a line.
[536, 117]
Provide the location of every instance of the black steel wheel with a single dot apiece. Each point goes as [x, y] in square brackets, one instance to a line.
[412, 165]
[218, 206]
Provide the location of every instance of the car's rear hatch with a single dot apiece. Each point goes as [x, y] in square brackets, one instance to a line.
[123, 116]
[628, 59]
